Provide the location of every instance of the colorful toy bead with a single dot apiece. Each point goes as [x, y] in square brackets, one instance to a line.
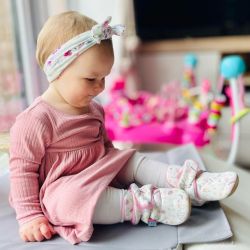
[215, 112]
[195, 112]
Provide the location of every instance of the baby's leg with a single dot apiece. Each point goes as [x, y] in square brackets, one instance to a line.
[168, 206]
[200, 186]
[143, 170]
[108, 209]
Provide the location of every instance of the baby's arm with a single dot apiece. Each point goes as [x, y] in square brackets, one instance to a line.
[107, 141]
[27, 148]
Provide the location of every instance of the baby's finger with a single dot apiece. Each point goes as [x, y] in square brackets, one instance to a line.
[45, 230]
[23, 237]
[52, 230]
[30, 237]
[38, 236]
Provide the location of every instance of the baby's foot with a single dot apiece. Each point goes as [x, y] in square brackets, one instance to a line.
[170, 206]
[173, 206]
[211, 186]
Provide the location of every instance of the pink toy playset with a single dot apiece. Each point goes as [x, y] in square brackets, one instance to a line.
[181, 113]
[177, 115]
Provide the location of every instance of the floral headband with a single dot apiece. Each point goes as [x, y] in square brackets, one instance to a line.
[70, 50]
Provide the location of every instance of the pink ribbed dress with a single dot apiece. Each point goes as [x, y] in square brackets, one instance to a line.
[59, 166]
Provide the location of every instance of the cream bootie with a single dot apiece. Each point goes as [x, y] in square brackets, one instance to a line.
[170, 206]
[202, 186]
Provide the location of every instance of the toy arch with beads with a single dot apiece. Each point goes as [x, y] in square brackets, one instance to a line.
[232, 68]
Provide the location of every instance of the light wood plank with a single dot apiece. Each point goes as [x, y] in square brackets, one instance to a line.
[230, 44]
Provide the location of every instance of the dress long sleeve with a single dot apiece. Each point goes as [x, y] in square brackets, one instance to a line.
[29, 137]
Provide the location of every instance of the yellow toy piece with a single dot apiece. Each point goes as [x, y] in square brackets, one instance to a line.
[240, 115]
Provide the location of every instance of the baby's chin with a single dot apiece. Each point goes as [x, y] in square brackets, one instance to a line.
[85, 103]
[81, 103]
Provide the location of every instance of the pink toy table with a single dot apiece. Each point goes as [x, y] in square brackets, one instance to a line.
[181, 132]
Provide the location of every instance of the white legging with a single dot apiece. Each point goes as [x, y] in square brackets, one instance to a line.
[139, 169]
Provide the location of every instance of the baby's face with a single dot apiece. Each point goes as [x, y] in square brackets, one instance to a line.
[84, 79]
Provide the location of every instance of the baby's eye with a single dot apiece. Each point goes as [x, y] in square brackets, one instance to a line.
[90, 79]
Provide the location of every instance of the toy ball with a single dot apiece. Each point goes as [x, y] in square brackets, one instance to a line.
[232, 67]
[190, 60]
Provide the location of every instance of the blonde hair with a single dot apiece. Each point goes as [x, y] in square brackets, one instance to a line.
[59, 29]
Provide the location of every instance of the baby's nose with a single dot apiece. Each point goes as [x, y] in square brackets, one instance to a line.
[99, 86]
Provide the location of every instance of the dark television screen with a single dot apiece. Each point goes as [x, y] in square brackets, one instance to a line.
[159, 19]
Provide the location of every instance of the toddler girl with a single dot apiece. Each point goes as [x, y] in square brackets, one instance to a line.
[65, 173]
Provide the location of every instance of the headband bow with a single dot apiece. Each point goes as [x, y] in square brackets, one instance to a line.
[104, 31]
[70, 50]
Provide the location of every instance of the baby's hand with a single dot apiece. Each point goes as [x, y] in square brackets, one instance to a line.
[36, 230]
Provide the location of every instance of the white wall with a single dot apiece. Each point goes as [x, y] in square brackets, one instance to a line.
[156, 69]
